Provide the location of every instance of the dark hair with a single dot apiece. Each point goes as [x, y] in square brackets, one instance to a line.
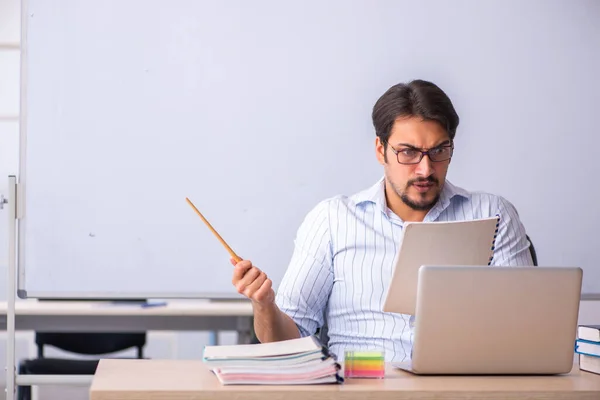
[417, 98]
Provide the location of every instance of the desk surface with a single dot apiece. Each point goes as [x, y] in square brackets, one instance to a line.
[187, 379]
[93, 308]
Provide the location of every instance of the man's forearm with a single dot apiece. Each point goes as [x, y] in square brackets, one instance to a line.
[273, 325]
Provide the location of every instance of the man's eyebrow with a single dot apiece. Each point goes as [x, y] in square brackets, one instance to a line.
[444, 143]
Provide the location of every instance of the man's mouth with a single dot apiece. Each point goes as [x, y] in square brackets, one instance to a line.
[423, 186]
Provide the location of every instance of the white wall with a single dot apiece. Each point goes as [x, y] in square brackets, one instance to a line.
[161, 345]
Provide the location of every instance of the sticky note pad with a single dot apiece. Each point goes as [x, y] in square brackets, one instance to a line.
[364, 364]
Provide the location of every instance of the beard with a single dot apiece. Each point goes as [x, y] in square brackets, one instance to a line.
[421, 204]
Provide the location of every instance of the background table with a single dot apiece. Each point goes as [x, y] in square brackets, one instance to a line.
[180, 315]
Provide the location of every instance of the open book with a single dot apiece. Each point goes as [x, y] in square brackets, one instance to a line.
[469, 242]
[289, 362]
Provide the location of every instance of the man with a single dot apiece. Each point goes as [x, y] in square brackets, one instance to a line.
[346, 247]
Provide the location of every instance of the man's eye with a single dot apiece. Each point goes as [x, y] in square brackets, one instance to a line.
[409, 152]
[438, 151]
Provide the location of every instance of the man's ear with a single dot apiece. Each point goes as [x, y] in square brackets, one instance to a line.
[380, 151]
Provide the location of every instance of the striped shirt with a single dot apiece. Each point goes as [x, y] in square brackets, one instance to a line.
[344, 254]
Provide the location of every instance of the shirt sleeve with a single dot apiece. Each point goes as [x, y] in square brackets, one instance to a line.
[512, 247]
[307, 283]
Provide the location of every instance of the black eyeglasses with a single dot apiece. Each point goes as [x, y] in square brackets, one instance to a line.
[412, 155]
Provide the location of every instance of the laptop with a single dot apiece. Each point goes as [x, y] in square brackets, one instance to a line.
[480, 320]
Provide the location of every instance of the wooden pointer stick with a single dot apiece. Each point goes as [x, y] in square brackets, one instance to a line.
[231, 252]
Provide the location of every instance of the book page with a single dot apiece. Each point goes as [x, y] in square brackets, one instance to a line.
[293, 346]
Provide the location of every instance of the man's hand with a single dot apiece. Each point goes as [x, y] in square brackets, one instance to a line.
[270, 323]
[253, 283]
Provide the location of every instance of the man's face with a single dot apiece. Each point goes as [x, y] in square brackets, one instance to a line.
[417, 185]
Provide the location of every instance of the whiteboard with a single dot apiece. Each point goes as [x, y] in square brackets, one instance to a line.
[258, 110]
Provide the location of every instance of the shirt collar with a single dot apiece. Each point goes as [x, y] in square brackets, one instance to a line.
[376, 194]
[450, 191]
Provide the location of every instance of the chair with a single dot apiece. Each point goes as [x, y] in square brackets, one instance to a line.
[79, 343]
[532, 251]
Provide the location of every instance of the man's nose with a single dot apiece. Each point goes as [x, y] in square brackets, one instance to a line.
[424, 167]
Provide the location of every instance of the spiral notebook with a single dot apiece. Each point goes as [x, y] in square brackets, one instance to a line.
[437, 243]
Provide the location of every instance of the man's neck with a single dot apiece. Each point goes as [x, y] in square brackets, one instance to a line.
[398, 207]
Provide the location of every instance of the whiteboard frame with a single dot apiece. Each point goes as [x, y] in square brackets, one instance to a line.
[16, 233]
[19, 181]
[11, 371]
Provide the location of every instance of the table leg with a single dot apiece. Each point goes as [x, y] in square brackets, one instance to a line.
[213, 338]
[245, 329]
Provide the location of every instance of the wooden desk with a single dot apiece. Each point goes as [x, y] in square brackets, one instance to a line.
[191, 379]
[177, 315]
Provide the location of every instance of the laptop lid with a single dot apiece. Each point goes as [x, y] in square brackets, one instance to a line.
[496, 320]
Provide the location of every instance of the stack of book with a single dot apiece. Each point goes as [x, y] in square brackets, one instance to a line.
[588, 348]
[289, 362]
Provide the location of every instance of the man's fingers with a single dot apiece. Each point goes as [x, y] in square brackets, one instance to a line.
[240, 270]
[248, 278]
[264, 291]
[253, 286]
[251, 281]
